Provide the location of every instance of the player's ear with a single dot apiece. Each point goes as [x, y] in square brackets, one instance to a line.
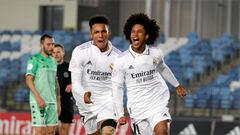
[146, 37]
[109, 33]
[91, 35]
[41, 45]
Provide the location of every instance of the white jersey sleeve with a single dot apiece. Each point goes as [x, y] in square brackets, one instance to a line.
[117, 88]
[166, 72]
[76, 68]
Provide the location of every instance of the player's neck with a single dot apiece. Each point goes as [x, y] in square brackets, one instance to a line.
[104, 49]
[60, 62]
[140, 49]
[44, 54]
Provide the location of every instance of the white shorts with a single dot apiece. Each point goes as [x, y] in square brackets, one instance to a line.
[90, 121]
[146, 126]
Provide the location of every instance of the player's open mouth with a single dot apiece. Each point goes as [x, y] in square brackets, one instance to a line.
[135, 40]
[100, 41]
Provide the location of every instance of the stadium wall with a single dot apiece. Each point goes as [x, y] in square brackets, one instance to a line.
[209, 18]
[24, 14]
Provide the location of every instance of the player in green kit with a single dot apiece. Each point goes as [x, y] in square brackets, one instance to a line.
[44, 96]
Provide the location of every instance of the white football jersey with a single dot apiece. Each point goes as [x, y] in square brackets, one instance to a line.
[147, 92]
[95, 70]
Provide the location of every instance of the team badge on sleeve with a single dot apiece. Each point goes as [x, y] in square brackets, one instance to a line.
[29, 66]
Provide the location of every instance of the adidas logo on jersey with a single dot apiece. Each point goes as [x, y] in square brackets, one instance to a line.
[89, 62]
[165, 115]
[130, 67]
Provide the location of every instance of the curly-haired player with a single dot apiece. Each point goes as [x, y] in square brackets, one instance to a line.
[143, 70]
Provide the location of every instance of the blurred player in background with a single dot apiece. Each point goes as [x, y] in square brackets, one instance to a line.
[64, 80]
[44, 95]
[142, 68]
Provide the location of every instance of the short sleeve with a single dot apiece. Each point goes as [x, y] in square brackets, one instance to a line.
[75, 64]
[32, 66]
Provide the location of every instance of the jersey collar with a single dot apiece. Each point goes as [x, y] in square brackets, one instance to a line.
[107, 53]
[134, 54]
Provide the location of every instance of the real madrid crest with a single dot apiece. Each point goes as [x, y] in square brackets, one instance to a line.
[111, 66]
[155, 61]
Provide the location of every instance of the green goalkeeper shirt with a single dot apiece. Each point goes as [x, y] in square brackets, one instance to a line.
[44, 71]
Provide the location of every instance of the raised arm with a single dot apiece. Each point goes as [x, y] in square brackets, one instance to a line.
[168, 75]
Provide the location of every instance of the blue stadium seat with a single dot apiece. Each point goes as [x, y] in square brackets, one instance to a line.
[202, 99]
[4, 71]
[77, 38]
[162, 38]
[68, 41]
[22, 95]
[14, 70]
[16, 46]
[236, 104]
[58, 36]
[199, 64]
[5, 46]
[192, 37]
[226, 98]
[85, 36]
[116, 40]
[24, 58]
[48, 32]
[189, 101]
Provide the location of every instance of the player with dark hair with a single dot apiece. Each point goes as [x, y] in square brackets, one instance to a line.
[91, 68]
[44, 94]
[64, 80]
[143, 70]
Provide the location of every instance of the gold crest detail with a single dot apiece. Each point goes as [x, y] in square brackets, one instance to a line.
[111, 66]
[155, 61]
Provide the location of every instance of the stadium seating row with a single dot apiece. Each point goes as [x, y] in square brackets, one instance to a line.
[190, 58]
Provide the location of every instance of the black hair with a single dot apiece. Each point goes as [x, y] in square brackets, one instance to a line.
[150, 26]
[44, 36]
[59, 45]
[98, 19]
[109, 122]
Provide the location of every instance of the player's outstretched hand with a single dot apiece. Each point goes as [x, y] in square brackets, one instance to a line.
[181, 91]
[87, 97]
[122, 120]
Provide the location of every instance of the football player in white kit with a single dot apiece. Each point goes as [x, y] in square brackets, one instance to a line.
[143, 69]
[91, 70]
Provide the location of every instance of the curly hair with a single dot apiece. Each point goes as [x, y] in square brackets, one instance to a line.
[150, 25]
